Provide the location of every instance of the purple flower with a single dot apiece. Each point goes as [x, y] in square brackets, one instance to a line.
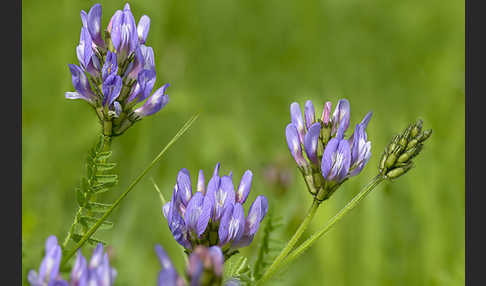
[143, 29]
[204, 264]
[97, 273]
[155, 103]
[81, 84]
[294, 144]
[340, 118]
[144, 86]
[336, 160]
[244, 187]
[257, 212]
[310, 114]
[84, 50]
[123, 32]
[168, 275]
[94, 24]
[331, 155]
[112, 86]
[232, 223]
[110, 67]
[360, 147]
[49, 268]
[296, 116]
[326, 113]
[311, 139]
[214, 217]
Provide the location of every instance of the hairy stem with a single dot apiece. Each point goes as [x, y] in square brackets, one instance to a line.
[298, 233]
[98, 223]
[347, 208]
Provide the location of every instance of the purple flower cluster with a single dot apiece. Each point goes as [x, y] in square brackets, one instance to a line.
[97, 273]
[205, 267]
[116, 71]
[213, 215]
[329, 157]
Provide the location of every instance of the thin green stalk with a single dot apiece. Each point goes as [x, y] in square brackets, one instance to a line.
[93, 229]
[298, 233]
[348, 207]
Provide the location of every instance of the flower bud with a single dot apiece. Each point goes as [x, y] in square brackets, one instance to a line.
[397, 157]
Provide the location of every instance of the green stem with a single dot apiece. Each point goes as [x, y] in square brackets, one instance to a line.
[92, 230]
[298, 233]
[347, 208]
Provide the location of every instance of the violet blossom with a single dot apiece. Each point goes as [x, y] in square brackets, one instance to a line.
[319, 147]
[116, 70]
[214, 215]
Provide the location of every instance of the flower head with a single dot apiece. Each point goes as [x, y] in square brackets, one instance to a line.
[116, 71]
[95, 273]
[204, 267]
[213, 215]
[329, 158]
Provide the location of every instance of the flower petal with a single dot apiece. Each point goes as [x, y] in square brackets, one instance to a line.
[310, 142]
[310, 114]
[244, 187]
[296, 118]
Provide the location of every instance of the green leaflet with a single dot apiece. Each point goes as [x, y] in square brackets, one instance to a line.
[98, 179]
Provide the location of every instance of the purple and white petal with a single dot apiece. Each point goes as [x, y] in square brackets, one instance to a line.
[310, 142]
[244, 187]
[297, 120]
[155, 103]
[310, 114]
[143, 29]
[293, 142]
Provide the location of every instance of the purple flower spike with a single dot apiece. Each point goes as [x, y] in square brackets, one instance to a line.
[224, 196]
[244, 187]
[326, 113]
[94, 24]
[293, 143]
[310, 142]
[84, 50]
[340, 118]
[310, 114]
[81, 84]
[296, 118]
[184, 185]
[110, 67]
[232, 224]
[336, 160]
[201, 182]
[143, 28]
[111, 89]
[155, 103]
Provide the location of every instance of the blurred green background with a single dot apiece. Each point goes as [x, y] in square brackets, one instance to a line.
[241, 64]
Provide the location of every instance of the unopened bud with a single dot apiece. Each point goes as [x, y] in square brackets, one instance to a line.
[416, 129]
[397, 172]
[425, 135]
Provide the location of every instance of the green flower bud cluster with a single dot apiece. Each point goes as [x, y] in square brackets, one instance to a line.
[397, 157]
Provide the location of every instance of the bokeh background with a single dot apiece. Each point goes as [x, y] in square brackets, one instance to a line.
[241, 64]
